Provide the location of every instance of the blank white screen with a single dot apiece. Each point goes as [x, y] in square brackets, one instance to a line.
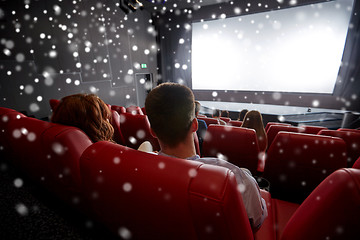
[292, 50]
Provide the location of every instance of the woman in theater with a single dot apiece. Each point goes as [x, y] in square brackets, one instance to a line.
[253, 120]
[87, 112]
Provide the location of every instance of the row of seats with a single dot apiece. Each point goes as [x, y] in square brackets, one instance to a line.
[142, 196]
[294, 164]
[350, 136]
[286, 163]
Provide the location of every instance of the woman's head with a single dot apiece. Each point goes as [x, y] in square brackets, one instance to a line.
[87, 112]
[253, 119]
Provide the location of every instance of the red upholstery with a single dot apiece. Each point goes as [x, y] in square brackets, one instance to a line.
[313, 129]
[115, 122]
[119, 109]
[267, 230]
[134, 110]
[235, 123]
[349, 130]
[352, 140]
[357, 164]
[296, 163]
[53, 103]
[6, 116]
[209, 120]
[159, 197]
[332, 211]
[282, 211]
[225, 119]
[143, 110]
[269, 124]
[49, 153]
[136, 130]
[274, 129]
[238, 145]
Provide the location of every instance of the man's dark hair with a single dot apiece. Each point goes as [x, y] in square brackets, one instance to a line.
[170, 108]
[216, 113]
[197, 108]
[242, 114]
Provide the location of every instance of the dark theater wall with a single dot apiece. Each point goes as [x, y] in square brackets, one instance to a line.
[50, 49]
[175, 25]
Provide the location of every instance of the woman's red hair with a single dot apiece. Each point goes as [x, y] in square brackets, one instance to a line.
[87, 112]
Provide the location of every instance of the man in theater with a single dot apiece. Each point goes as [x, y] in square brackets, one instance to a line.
[170, 109]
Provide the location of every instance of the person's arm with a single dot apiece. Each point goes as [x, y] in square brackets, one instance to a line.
[254, 204]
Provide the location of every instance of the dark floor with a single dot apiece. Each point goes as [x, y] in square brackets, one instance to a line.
[27, 211]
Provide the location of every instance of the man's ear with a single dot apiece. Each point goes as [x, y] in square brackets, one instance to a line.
[153, 133]
[194, 125]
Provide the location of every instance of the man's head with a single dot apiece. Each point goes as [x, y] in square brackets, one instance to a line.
[197, 108]
[171, 110]
[216, 113]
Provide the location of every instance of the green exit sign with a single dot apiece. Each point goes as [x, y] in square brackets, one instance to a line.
[143, 65]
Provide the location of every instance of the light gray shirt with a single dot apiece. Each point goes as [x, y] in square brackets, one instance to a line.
[254, 204]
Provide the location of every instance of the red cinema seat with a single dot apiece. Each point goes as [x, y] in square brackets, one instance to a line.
[357, 164]
[115, 122]
[147, 196]
[6, 116]
[235, 123]
[269, 124]
[134, 110]
[349, 130]
[275, 129]
[53, 103]
[225, 119]
[313, 129]
[332, 211]
[119, 109]
[136, 130]
[237, 145]
[352, 140]
[296, 163]
[49, 153]
[143, 110]
[209, 120]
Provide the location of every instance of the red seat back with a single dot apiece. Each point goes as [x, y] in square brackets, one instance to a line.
[275, 129]
[238, 145]
[119, 109]
[209, 120]
[313, 129]
[136, 130]
[225, 119]
[115, 122]
[269, 124]
[235, 123]
[158, 197]
[332, 211]
[349, 130]
[352, 140]
[6, 116]
[49, 153]
[134, 110]
[357, 164]
[143, 110]
[53, 103]
[296, 163]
